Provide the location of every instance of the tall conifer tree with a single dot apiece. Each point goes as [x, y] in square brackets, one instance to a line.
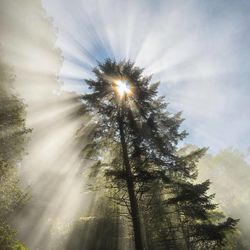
[135, 142]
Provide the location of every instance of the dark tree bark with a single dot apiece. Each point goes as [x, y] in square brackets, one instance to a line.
[130, 185]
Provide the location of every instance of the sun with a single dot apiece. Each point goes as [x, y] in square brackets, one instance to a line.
[122, 87]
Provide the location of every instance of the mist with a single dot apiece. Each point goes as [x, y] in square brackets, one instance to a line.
[51, 172]
[229, 172]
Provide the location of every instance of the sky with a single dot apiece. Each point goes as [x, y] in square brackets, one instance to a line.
[198, 50]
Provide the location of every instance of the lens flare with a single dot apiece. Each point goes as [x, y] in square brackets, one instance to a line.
[122, 87]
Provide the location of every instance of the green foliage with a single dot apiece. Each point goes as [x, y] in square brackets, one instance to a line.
[7, 238]
[13, 136]
[11, 196]
[13, 133]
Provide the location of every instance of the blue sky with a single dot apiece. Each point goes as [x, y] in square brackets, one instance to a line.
[199, 50]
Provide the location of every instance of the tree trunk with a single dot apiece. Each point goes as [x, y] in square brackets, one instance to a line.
[130, 185]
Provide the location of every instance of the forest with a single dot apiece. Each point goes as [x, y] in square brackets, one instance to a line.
[109, 167]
